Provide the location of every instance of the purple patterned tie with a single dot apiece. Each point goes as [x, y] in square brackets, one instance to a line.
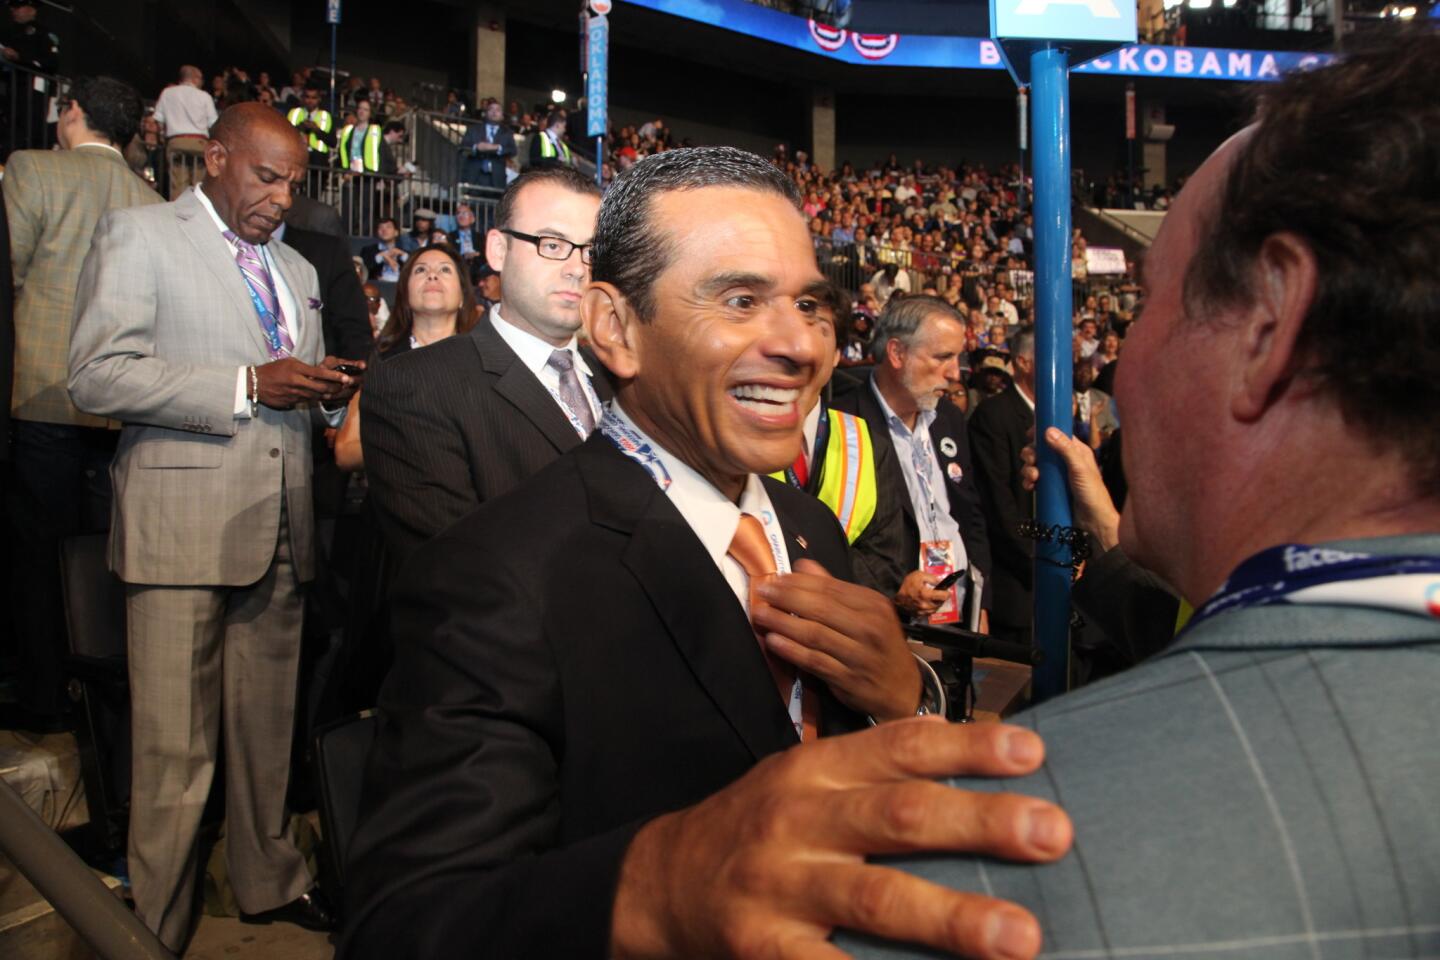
[262, 288]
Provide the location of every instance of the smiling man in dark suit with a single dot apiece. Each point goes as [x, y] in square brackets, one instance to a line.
[449, 427]
[611, 643]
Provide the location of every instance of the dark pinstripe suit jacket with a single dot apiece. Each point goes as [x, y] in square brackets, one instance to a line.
[454, 425]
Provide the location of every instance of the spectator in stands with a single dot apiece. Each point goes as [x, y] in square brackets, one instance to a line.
[386, 256]
[887, 280]
[317, 126]
[487, 287]
[485, 148]
[378, 309]
[433, 300]
[1108, 352]
[293, 95]
[60, 485]
[548, 147]
[422, 230]
[186, 112]
[263, 85]
[27, 42]
[1094, 418]
[469, 239]
[1086, 339]
[375, 93]
[453, 106]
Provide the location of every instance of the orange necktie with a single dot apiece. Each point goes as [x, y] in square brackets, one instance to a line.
[751, 550]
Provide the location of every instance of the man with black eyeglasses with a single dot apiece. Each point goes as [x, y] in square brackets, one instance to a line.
[469, 418]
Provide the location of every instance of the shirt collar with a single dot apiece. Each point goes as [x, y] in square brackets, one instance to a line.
[220, 224]
[102, 146]
[923, 418]
[706, 510]
[532, 351]
[811, 427]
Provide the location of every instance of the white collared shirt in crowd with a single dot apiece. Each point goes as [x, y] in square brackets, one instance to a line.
[185, 110]
[905, 440]
[707, 511]
[535, 354]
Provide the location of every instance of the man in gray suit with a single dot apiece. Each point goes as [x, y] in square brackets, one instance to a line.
[205, 340]
[1265, 786]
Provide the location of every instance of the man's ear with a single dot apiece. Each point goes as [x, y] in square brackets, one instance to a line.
[495, 250]
[610, 324]
[894, 353]
[215, 157]
[1282, 286]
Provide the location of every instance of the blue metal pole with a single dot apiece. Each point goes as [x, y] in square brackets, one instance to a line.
[1050, 118]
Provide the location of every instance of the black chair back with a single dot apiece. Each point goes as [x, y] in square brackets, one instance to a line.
[339, 758]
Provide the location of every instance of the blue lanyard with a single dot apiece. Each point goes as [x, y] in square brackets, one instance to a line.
[822, 437]
[1300, 574]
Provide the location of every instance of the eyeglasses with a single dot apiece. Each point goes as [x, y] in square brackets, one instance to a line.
[554, 248]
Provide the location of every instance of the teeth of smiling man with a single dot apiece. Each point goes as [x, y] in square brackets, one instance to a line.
[762, 398]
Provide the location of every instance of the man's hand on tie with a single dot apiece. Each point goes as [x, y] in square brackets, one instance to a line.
[283, 383]
[844, 634]
[773, 863]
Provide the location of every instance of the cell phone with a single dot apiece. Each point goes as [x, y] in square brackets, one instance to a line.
[949, 581]
[350, 369]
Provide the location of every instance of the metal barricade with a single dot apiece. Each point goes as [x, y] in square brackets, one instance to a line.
[27, 101]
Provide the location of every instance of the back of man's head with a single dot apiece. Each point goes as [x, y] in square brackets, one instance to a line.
[112, 109]
[1344, 158]
[631, 250]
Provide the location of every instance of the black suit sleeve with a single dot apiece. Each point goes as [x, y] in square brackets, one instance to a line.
[459, 852]
[415, 454]
[1133, 608]
[967, 507]
[346, 319]
[507, 143]
[878, 553]
[7, 333]
[997, 466]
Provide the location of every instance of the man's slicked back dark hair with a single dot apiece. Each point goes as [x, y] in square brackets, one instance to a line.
[566, 177]
[1347, 158]
[630, 249]
[112, 109]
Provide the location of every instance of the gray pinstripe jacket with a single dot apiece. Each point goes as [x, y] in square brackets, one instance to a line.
[1268, 787]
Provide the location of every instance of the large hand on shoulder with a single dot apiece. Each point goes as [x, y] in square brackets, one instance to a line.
[773, 863]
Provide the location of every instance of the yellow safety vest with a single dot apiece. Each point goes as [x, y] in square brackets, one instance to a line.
[847, 475]
[547, 148]
[369, 149]
[322, 120]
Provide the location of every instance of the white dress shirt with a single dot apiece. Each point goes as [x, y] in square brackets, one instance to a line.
[289, 315]
[185, 109]
[708, 512]
[535, 354]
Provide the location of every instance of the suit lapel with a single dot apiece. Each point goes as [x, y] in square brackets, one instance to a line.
[215, 253]
[689, 594]
[522, 388]
[871, 413]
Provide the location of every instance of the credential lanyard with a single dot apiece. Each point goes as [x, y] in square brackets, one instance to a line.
[1300, 574]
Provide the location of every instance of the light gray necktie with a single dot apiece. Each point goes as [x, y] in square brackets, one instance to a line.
[571, 393]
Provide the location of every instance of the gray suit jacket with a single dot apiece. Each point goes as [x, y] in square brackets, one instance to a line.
[164, 320]
[1265, 788]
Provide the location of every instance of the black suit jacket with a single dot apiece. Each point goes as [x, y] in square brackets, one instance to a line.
[373, 267]
[473, 170]
[344, 316]
[570, 663]
[451, 426]
[853, 393]
[998, 429]
[7, 333]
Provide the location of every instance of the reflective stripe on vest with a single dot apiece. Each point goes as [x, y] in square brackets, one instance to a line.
[322, 120]
[370, 149]
[847, 475]
[547, 148]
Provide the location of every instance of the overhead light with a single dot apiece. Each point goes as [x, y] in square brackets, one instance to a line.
[557, 95]
[1406, 13]
[1172, 4]
[1200, 4]
[1229, 3]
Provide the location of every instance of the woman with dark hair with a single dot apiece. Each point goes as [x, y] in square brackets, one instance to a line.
[433, 300]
